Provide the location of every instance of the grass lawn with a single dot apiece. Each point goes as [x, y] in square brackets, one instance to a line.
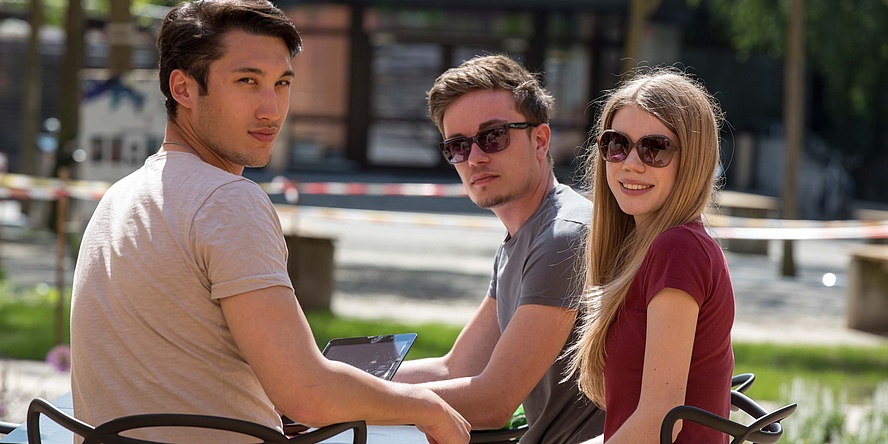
[27, 322]
[27, 326]
[856, 371]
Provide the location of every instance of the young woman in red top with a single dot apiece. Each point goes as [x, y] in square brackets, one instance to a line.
[659, 300]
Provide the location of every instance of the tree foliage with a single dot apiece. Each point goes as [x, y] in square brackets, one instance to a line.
[846, 43]
[55, 9]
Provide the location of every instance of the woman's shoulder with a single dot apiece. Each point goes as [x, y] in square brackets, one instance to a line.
[683, 236]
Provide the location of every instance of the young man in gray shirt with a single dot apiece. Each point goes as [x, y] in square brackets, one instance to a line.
[494, 117]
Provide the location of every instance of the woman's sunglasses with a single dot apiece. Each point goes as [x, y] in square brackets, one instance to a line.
[655, 151]
[490, 140]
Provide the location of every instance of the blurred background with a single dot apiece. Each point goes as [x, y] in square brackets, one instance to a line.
[78, 90]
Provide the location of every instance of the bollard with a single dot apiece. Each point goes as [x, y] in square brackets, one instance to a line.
[310, 265]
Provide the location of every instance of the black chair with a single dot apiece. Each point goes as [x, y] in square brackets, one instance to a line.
[742, 382]
[765, 429]
[500, 436]
[109, 432]
[7, 427]
[739, 383]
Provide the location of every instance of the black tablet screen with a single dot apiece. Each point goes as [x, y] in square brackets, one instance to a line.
[378, 355]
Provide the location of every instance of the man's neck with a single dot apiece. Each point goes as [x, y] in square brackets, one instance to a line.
[178, 135]
[515, 213]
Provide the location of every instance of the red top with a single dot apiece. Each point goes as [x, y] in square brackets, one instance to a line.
[685, 258]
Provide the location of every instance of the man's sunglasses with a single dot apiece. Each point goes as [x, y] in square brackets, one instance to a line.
[655, 151]
[490, 140]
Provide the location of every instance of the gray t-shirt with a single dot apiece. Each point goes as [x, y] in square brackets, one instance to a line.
[148, 335]
[539, 265]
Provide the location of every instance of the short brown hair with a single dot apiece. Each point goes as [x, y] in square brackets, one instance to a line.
[491, 73]
[190, 37]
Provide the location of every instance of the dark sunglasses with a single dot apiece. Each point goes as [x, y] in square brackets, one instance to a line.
[655, 151]
[490, 140]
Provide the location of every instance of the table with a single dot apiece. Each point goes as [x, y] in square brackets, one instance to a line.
[52, 432]
[56, 434]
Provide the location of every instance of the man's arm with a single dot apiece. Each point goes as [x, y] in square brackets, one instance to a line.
[468, 356]
[271, 331]
[519, 359]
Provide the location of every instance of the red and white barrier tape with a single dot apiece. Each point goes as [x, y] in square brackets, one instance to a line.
[728, 227]
[17, 186]
[384, 189]
[290, 214]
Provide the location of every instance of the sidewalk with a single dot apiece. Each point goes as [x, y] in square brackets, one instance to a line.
[769, 308]
[21, 381]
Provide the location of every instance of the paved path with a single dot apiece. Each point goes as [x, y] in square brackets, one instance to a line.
[442, 278]
[440, 273]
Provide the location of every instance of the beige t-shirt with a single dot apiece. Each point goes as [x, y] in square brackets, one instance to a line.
[147, 330]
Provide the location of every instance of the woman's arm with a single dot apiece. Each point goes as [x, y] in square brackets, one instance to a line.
[669, 343]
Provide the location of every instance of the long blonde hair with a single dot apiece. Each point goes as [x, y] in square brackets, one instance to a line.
[615, 248]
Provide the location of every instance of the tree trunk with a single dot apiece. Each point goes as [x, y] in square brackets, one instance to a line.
[32, 92]
[69, 121]
[794, 120]
[69, 84]
[639, 12]
[121, 30]
[28, 151]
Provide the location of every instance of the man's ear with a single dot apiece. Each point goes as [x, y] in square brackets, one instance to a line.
[183, 88]
[542, 135]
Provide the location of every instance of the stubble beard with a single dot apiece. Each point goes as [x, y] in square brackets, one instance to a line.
[504, 193]
[494, 201]
[213, 137]
[255, 159]
[498, 200]
[254, 162]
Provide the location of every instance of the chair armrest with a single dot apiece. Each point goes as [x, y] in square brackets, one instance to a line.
[742, 382]
[111, 429]
[758, 412]
[7, 427]
[116, 426]
[266, 434]
[40, 406]
[699, 416]
[497, 436]
[765, 429]
[359, 428]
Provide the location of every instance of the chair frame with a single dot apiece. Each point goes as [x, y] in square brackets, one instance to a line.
[497, 436]
[109, 432]
[742, 382]
[7, 427]
[739, 383]
[765, 429]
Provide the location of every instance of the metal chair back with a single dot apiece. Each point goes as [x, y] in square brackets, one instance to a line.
[110, 432]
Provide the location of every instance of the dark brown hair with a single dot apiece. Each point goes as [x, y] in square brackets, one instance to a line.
[191, 34]
[491, 73]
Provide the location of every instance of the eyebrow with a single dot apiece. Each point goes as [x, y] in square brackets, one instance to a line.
[492, 122]
[259, 72]
[482, 126]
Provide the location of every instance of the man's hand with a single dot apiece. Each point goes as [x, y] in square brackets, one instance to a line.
[488, 397]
